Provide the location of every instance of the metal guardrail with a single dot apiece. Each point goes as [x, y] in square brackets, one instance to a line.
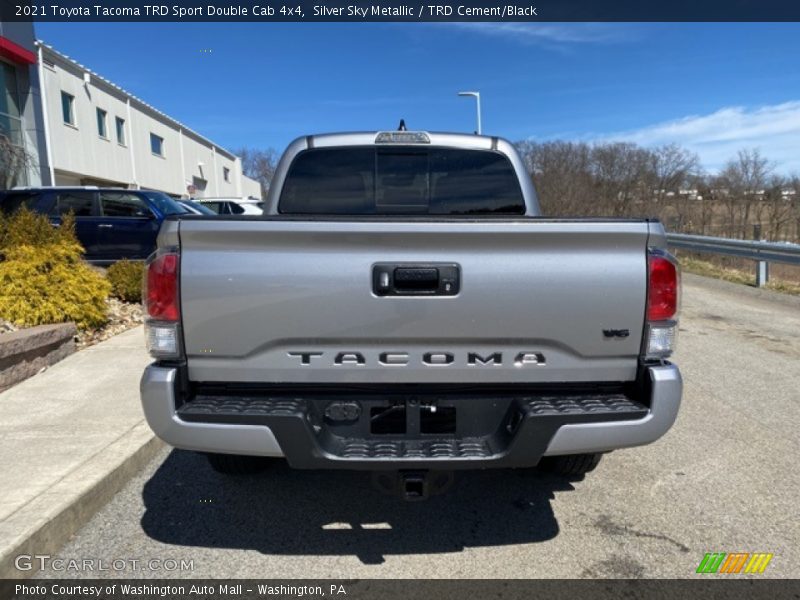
[761, 252]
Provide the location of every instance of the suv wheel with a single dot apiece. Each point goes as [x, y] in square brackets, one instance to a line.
[570, 465]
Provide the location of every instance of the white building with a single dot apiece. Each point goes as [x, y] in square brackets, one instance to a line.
[96, 133]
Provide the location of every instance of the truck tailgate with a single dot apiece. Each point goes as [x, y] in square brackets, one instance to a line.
[292, 301]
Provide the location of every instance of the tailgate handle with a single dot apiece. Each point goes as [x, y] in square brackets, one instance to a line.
[425, 279]
[422, 279]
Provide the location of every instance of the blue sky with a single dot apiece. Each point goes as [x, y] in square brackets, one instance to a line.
[714, 88]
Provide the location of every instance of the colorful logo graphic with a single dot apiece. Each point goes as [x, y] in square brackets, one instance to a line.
[736, 562]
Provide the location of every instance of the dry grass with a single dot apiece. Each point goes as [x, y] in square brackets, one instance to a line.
[709, 269]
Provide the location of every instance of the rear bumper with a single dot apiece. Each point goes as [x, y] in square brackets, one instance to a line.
[528, 428]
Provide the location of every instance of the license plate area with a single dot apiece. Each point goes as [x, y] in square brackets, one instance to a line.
[412, 417]
[396, 418]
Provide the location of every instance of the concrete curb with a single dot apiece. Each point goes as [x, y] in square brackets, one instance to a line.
[43, 525]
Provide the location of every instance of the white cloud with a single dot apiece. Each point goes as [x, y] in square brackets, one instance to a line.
[553, 34]
[717, 137]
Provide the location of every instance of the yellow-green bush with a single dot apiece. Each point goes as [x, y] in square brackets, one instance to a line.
[42, 276]
[126, 280]
[26, 228]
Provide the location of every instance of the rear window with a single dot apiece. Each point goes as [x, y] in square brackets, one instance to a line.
[401, 180]
[198, 207]
[215, 207]
[12, 202]
[122, 204]
[81, 204]
[166, 205]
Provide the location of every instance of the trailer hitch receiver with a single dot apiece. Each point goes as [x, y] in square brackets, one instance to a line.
[413, 486]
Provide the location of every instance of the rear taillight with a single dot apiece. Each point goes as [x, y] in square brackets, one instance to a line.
[161, 305]
[663, 297]
[662, 288]
[161, 288]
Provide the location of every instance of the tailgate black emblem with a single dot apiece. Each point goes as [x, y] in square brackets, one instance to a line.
[616, 333]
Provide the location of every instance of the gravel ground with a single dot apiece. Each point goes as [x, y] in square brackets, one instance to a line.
[6, 327]
[121, 317]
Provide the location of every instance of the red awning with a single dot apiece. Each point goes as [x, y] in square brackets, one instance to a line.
[16, 53]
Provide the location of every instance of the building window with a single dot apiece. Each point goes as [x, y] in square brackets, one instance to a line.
[68, 108]
[16, 160]
[156, 145]
[120, 131]
[10, 122]
[226, 174]
[9, 94]
[101, 123]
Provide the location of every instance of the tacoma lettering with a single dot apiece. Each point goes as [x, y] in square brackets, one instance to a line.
[432, 358]
[473, 358]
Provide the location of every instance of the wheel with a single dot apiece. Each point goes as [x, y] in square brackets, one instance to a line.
[234, 464]
[570, 465]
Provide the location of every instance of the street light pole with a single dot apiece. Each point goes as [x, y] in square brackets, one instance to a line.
[477, 96]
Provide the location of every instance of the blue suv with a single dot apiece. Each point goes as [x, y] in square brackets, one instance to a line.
[111, 224]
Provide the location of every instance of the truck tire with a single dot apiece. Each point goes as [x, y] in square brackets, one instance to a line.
[570, 465]
[234, 464]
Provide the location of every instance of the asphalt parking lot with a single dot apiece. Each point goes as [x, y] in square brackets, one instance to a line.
[725, 479]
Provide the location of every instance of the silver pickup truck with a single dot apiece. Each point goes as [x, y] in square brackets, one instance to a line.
[402, 307]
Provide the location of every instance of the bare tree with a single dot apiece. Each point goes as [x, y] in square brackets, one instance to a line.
[746, 178]
[562, 174]
[626, 180]
[793, 186]
[670, 186]
[673, 167]
[259, 165]
[704, 204]
[622, 181]
[777, 208]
